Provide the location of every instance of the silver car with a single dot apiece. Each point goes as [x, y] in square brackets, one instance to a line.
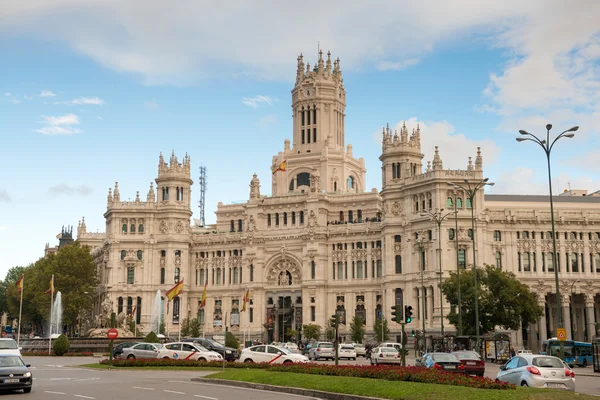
[322, 350]
[142, 350]
[538, 371]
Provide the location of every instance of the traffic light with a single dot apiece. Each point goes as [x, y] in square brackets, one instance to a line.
[396, 314]
[334, 321]
[408, 314]
[412, 333]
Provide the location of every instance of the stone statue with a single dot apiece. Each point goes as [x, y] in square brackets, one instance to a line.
[254, 188]
[315, 181]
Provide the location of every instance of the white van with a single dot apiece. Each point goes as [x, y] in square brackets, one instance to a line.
[397, 346]
[9, 346]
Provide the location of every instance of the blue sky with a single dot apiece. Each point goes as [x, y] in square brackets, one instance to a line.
[92, 91]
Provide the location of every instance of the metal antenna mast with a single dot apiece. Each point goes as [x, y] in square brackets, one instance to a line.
[202, 202]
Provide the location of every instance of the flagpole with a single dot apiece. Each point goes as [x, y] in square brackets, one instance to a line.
[20, 311]
[179, 320]
[167, 319]
[51, 307]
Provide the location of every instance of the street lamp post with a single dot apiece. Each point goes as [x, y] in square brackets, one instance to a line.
[422, 243]
[438, 217]
[460, 325]
[471, 191]
[547, 146]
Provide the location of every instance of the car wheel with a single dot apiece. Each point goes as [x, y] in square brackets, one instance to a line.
[248, 360]
[201, 359]
[524, 384]
[27, 390]
[165, 358]
[287, 362]
[131, 357]
[354, 359]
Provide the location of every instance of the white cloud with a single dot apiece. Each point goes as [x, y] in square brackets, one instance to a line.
[151, 105]
[3, 228]
[257, 101]
[531, 182]
[100, 118]
[61, 125]
[7, 94]
[4, 196]
[15, 101]
[47, 93]
[86, 100]
[454, 148]
[396, 65]
[63, 188]
[268, 120]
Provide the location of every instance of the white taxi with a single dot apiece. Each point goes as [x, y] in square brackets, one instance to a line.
[270, 354]
[347, 351]
[188, 351]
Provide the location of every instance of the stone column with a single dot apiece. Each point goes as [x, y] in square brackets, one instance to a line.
[430, 302]
[589, 310]
[542, 322]
[567, 315]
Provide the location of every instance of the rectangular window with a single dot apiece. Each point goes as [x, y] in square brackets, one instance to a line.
[130, 275]
[314, 134]
[526, 262]
[202, 278]
[359, 270]
[379, 268]
[138, 310]
[129, 305]
[462, 261]
[398, 264]
[315, 116]
[520, 262]
[251, 273]
[340, 270]
[218, 276]
[302, 113]
[236, 277]
[597, 261]
[251, 315]
[303, 140]
[498, 259]
[550, 261]
[313, 271]
[308, 115]
[574, 262]
[313, 313]
[200, 314]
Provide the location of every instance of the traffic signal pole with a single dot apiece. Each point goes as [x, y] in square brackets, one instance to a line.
[403, 342]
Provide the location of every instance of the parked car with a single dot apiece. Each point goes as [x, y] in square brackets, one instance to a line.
[14, 373]
[118, 349]
[188, 351]
[271, 354]
[322, 350]
[473, 363]
[142, 350]
[360, 350]
[385, 355]
[9, 346]
[229, 353]
[397, 346]
[443, 362]
[293, 347]
[539, 371]
[346, 351]
[523, 351]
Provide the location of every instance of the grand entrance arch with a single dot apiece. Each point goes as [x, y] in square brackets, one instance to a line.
[284, 299]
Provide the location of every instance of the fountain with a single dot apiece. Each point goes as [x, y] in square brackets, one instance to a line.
[156, 314]
[56, 322]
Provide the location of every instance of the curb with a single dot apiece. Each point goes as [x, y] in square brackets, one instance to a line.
[285, 389]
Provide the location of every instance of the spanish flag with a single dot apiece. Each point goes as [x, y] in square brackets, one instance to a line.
[246, 299]
[51, 290]
[20, 284]
[203, 300]
[282, 167]
[175, 290]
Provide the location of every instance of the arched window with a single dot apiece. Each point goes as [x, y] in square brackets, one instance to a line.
[293, 217]
[231, 226]
[177, 253]
[123, 254]
[132, 229]
[301, 217]
[176, 277]
[335, 186]
[119, 305]
[468, 201]
[302, 179]
[451, 234]
[139, 254]
[268, 219]
[350, 183]
[359, 215]
[398, 264]
[124, 228]
[163, 253]
[350, 216]
[497, 236]
[276, 219]
[162, 276]
[459, 202]
[525, 235]
[397, 239]
[141, 228]
[449, 202]
[430, 203]
[313, 270]
[341, 216]
[240, 226]
[285, 218]
[470, 233]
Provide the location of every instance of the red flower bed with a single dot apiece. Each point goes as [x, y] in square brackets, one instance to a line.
[385, 372]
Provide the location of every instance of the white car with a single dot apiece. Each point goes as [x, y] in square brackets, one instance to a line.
[270, 354]
[346, 351]
[9, 347]
[293, 347]
[538, 371]
[188, 351]
[385, 355]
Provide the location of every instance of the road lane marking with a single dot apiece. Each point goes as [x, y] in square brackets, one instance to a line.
[59, 379]
[205, 397]
[172, 391]
[86, 379]
[141, 388]
[243, 388]
[47, 391]
[84, 397]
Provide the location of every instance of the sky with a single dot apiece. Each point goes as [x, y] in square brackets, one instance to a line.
[91, 91]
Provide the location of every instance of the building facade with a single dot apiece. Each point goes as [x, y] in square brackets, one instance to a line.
[323, 244]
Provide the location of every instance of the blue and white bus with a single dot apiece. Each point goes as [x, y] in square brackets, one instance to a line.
[576, 353]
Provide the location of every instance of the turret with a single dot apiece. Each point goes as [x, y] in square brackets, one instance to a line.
[401, 156]
[479, 161]
[173, 183]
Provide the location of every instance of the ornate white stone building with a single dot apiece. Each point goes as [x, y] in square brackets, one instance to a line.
[322, 243]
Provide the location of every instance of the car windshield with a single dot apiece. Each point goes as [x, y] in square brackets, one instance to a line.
[326, 345]
[283, 350]
[11, 361]
[200, 347]
[467, 355]
[215, 344]
[443, 357]
[547, 362]
[8, 345]
[388, 350]
[347, 347]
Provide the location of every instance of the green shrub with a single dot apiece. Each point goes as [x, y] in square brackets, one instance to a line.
[61, 345]
[231, 341]
[151, 338]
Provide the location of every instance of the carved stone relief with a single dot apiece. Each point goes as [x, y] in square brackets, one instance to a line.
[284, 272]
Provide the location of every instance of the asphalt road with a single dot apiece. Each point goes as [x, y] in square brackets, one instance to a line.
[56, 379]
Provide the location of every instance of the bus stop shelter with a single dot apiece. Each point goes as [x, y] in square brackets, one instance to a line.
[496, 347]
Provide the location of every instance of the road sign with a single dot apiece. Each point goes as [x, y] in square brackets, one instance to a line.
[112, 334]
[561, 333]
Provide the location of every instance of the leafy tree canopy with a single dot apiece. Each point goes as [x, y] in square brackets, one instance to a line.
[381, 330]
[311, 331]
[357, 329]
[504, 301]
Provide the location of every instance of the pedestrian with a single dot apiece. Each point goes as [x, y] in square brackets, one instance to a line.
[512, 352]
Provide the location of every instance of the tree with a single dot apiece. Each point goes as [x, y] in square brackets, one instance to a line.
[503, 300]
[311, 331]
[231, 340]
[61, 345]
[291, 333]
[357, 329]
[185, 327]
[382, 332]
[151, 338]
[194, 327]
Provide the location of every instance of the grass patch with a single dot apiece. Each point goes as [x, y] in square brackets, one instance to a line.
[390, 389]
[106, 366]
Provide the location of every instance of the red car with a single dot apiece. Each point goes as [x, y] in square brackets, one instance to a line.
[473, 363]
